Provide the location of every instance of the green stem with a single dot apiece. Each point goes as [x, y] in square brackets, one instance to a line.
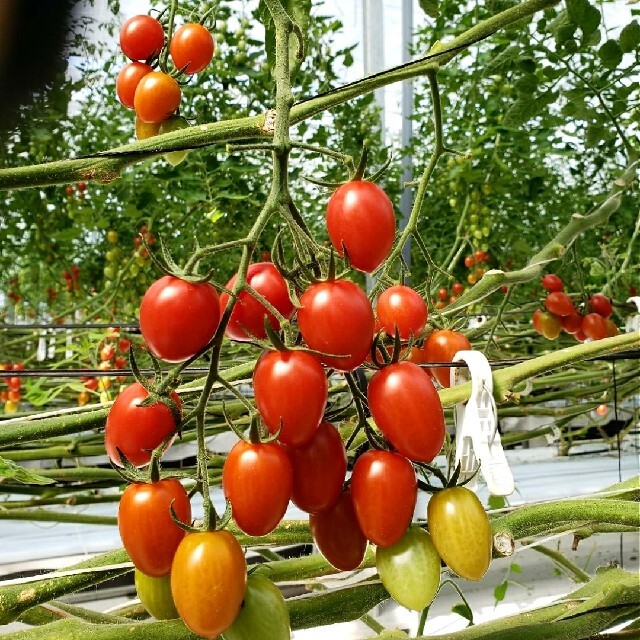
[561, 560]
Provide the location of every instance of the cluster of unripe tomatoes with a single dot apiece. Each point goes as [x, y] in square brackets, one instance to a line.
[12, 395]
[560, 313]
[293, 452]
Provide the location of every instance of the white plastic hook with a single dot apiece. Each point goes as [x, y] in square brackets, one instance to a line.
[477, 436]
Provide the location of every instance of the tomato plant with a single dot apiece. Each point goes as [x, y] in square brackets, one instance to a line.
[208, 581]
[291, 390]
[338, 535]
[135, 430]
[559, 303]
[141, 37]
[460, 531]
[319, 469]
[155, 595]
[178, 318]
[264, 613]
[157, 97]
[191, 48]
[407, 409]
[128, 80]
[257, 480]
[551, 282]
[384, 491]
[247, 318]
[360, 220]
[402, 308]
[336, 318]
[441, 346]
[410, 569]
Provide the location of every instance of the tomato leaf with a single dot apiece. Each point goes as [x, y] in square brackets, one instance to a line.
[463, 610]
[500, 591]
[430, 7]
[586, 16]
[630, 37]
[9, 470]
[610, 54]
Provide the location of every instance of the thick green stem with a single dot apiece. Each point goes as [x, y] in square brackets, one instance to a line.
[578, 575]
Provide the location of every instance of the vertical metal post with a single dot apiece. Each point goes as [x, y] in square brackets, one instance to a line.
[406, 199]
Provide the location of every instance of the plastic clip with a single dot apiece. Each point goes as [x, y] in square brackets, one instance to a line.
[477, 437]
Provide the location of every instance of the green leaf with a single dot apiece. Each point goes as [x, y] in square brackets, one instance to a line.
[515, 568]
[610, 54]
[630, 37]
[586, 16]
[430, 7]
[463, 610]
[500, 591]
[526, 84]
[497, 502]
[9, 470]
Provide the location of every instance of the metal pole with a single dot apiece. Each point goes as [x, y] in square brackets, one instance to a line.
[407, 129]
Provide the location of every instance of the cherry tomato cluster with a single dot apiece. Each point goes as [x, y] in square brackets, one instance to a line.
[447, 297]
[79, 190]
[12, 395]
[72, 279]
[560, 314]
[476, 263]
[14, 290]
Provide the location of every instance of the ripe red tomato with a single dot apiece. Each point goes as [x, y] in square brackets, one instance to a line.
[135, 430]
[360, 219]
[551, 282]
[178, 318]
[559, 303]
[336, 318]
[384, 491]
[141, 37]
[148, 533]
[107, 352]
[128, 80]
[480, 256]
[547, 324]
[208, 581]
[291, 392]
[337, 533]
[601, 305]
[402, 308]
[580, 335]
[612, 329]
[257, 480]
[319, 469]
[571, 323]
[157, 97]
[247, 318]
[469, 261]
[417, 430]
[443, 294]
[441, 346]
[191, 47]
[594, 326]
[460, 531]
[458, 288]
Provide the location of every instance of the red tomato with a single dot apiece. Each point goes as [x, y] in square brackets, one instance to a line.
[157, 97]
[360, 219]
[601, 305]
[141, 37]
[612, 329]
[336, 318]
[571, 323]
[208, 581]
[417, 429]
[559, 303]
[247, 318]
[480, 256]
[319, 469]
[107, 352]
[384, 491]
[123, 345]
[547, 324]
[469, 261]
[594, 326]
[191, 47]
[458, 288]
[551, 282]
[14, 383]
[178, 318]
[291, 392]
[580, 335]
[441, 346]
[257, 480]
[337, 533]
[403, 308]
[128, 80]
[135, 430]
[148, 533]
[443, 294]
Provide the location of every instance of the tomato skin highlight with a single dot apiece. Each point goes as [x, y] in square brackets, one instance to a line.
[410, 569]
[290, 390]
[336, 318]
[402, 308]
[257, 479]
[155, 596]
[141, 37]
[128, 80]
[208, 581]
[407, 409]
[247, 318]
[148, 533]
[441, 346]
[319, 469]
[157, 97]
[461, 531]
[135, 430]
[360, 218]
[338, 535]
[559, 303]
[384, 491]
[178, 318]
[192, 47]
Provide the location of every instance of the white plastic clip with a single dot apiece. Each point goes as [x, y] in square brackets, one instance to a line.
[477, 437]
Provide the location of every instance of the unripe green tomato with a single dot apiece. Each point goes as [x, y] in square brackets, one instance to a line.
[140, 260]
[453, 202]
[485, 211]
[242, 45]
[410, 569]
[174, 123]
[222, 26]
[155, 595]
[240, 58]
[263, 613]
[134, 269]
[112, 236]
[453, 185]
[451, 163]
[244, 23]
[460, 159]
[477, 234]
[475, 197]
[473, 218]
[239, 33]
[486, 231]
[110, 272]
